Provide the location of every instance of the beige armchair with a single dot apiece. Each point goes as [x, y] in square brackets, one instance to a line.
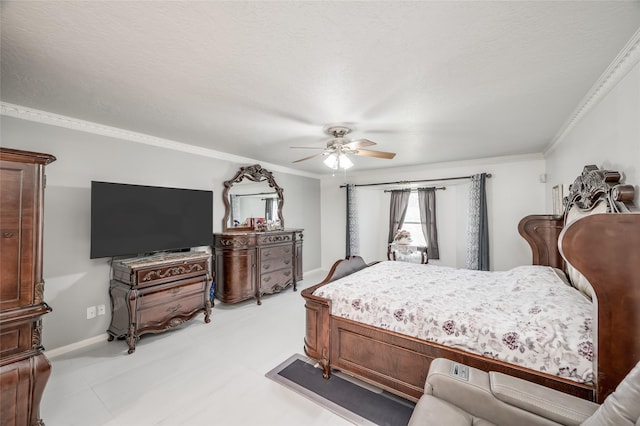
[456, 394]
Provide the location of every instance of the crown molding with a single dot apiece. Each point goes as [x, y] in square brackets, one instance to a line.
[628, 57]
[43, 117]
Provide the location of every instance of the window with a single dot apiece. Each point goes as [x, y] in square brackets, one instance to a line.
[412, 221]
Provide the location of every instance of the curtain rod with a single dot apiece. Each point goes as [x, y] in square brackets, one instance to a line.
[437, 188]
[404, 182]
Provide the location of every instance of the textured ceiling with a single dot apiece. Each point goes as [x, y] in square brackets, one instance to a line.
[432, 81]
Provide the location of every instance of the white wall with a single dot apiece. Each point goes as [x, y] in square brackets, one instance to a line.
[73, 281]
[513, 191]
[608, 136]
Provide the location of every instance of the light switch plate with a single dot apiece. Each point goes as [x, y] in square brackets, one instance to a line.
[91, 312]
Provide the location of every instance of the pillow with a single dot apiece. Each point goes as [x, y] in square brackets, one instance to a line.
[575, 277]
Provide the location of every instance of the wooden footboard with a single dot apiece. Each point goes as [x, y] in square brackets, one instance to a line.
[318, 310]
[400, 364]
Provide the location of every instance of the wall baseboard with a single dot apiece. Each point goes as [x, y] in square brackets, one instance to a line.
[314, 271]
[62, 350]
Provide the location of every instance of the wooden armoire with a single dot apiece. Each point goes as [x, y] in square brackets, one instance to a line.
[24, 369]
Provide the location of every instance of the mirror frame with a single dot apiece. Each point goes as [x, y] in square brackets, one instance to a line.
[253, 173]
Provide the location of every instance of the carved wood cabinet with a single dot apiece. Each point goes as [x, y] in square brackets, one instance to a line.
[153, 294]
[24, 369]
[252, 264]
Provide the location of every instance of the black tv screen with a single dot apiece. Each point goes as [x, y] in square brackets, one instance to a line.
[137, 219]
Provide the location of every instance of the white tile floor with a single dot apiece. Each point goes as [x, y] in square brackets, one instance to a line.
[199, 374]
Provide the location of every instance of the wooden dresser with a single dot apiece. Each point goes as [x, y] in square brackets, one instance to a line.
[24, 369]
[251, 264]
[153, 294]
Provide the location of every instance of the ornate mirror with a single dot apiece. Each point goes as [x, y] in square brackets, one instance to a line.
[252, 200]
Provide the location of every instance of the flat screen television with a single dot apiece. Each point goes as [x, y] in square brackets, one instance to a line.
[136, 219]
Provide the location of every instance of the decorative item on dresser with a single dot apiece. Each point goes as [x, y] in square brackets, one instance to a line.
[152, 294]
[251, 264]
[254, 255]
[24, 369]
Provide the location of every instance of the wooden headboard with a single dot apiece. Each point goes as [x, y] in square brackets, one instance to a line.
[605, 249]
[592, 187]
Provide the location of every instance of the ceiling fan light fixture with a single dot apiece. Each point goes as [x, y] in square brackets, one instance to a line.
[338, 161]
[344, 162]
[339, 148]
[331, 161]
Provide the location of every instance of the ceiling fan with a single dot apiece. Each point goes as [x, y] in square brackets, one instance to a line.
[338, 147]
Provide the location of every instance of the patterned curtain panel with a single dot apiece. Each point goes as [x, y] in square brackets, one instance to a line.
[478, 227]
[353, 238]
[397, 210]
[427, 202]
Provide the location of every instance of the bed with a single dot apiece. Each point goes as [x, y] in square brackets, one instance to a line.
[588, 259]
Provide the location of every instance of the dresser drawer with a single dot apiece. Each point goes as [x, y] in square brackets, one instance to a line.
[273, 282]
[275, 264]
[277, 252]
[166, 294]
[271, 238]
[15, 338]
[158, 314]
[152, 276]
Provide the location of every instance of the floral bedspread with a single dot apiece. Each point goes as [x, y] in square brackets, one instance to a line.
[526, 316]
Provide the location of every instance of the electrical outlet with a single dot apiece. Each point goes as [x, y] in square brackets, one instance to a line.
[91, 312]
[101, 309]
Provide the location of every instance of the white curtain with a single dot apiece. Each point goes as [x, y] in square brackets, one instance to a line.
[478, 228]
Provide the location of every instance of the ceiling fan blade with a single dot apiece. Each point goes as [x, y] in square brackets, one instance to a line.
[360, 143]
[306, 147]
[377, 154]
[308, 158]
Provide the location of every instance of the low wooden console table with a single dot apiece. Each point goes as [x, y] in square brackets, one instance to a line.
[156, 293]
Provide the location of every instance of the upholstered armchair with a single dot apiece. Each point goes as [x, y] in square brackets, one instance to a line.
[457, 395]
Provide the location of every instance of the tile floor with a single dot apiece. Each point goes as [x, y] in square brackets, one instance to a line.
[199, 374]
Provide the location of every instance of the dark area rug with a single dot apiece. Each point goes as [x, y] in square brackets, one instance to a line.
[346, 396]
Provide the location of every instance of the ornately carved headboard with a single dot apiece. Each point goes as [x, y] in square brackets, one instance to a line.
[594, 188]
